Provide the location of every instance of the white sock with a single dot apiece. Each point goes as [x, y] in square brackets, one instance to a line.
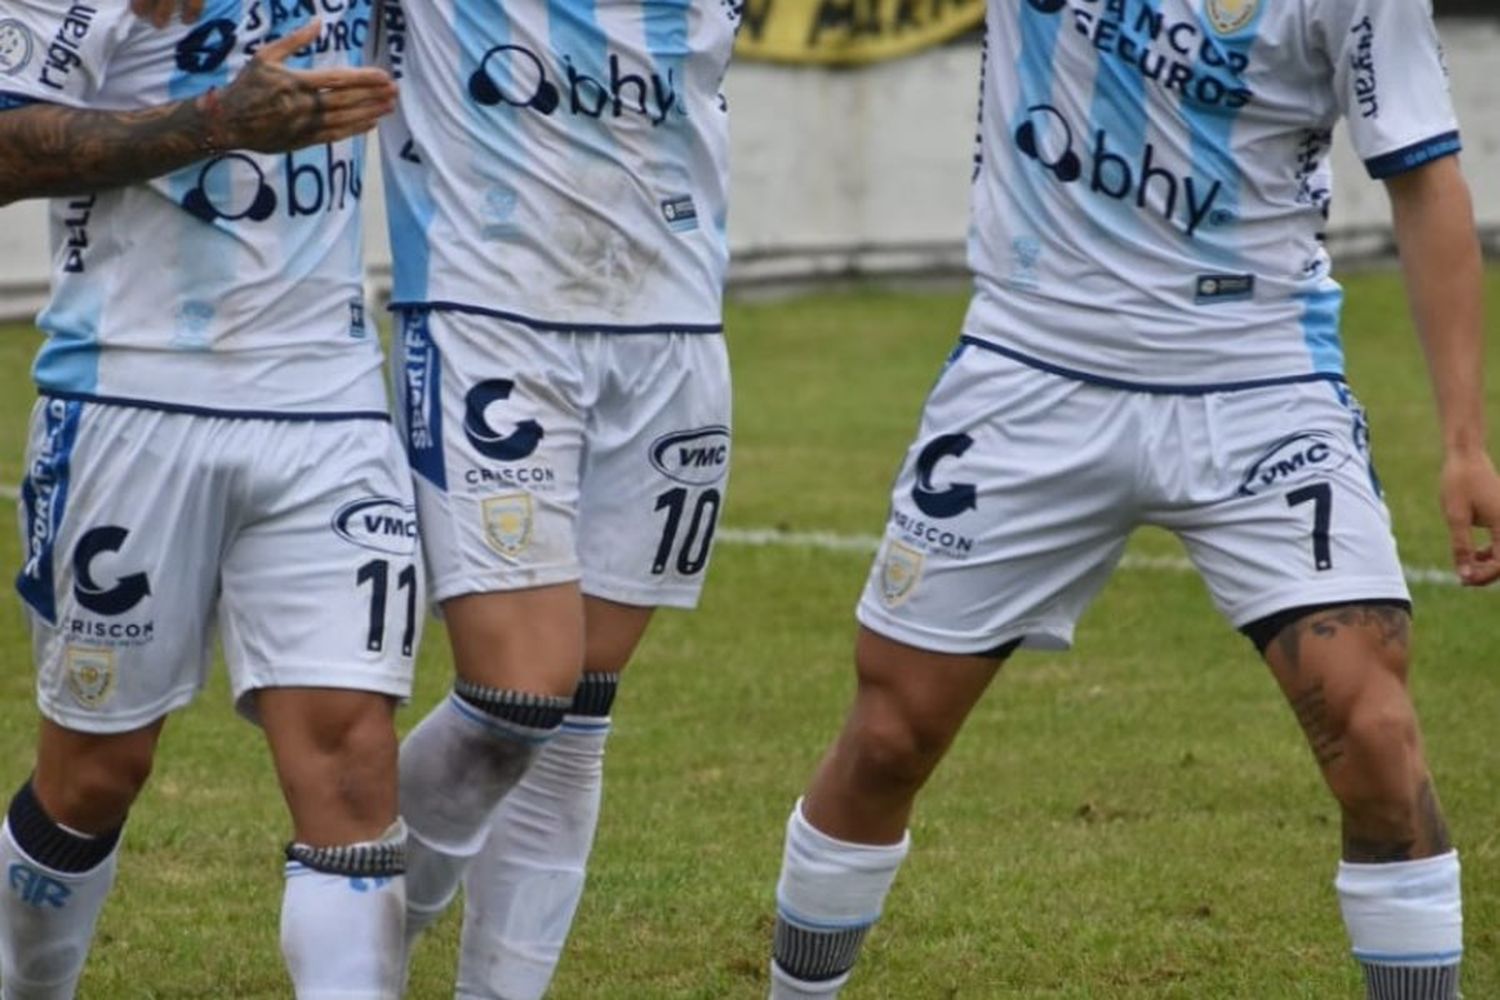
[47, 918]
[456, 765]
[342, 917]
[1405, 922]
[522, 891]
[830, 894]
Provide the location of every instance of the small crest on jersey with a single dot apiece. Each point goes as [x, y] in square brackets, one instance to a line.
[900, 569]
[357, 318]
[17, 46]
[680, 212]
[90, 674]
[1229, 16]
[1215, 288]
[508, 523]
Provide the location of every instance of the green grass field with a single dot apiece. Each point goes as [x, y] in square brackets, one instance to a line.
[1137, 818]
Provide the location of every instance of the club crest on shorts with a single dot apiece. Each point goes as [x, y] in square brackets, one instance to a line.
[900, 569]
[1229, 16]
[508, 521]
[90, 674]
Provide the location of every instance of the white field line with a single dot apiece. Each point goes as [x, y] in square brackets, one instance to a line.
[828, 541]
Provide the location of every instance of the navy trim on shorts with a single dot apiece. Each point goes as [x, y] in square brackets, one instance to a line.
[1416, 155]
[1157, 388]
[10, 100]
[553, 326]
[317, 416]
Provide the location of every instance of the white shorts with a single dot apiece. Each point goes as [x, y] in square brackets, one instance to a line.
[544, 457]
[1015, 502]
[143, 530]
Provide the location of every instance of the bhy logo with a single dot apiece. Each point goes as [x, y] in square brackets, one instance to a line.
[516, 76]
[1045, 136]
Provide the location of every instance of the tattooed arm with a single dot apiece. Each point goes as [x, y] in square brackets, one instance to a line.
[47, 150]
[1440, 258]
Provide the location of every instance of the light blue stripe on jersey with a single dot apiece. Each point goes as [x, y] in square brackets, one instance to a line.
[1320, 327]
[582, 45]
[1039, 33]
[204, 268]
[500, 149]
[69, 360]
[1211, 131]
[1117, 128]
[666, 29]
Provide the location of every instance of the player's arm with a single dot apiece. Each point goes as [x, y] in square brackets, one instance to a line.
[48, 150]
[1441, 262]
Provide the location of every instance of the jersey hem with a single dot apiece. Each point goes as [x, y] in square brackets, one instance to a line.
[1155, 388]
[1418, 154]
[553, 326]
[211, 411]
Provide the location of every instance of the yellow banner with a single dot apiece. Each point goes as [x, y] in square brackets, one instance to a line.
[848, 32]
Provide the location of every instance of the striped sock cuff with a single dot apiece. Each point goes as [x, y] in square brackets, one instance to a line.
[1410, 982]
[816, 955]
[51, 845]
[518, 708]
[383, 858]
[595, 695]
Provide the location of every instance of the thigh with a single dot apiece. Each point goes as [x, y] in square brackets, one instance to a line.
[493, 417]
[123, 518]
[1010, 510]
[321, 582]
[656, 467]
[1286, 510]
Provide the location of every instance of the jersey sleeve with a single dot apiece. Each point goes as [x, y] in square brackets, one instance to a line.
[1390, 81]
[56, 52]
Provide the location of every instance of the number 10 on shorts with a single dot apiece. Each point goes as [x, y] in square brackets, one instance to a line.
[691, 542]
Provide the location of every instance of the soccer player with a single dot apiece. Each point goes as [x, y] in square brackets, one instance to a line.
[211, 448]
[556, 177]
[1154, 339]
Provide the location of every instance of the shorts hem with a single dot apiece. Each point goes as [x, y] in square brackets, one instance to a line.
[1333, 592]
[111, 724]
[501, 582]
[1035, 634]
[324, 676]
[623, 591]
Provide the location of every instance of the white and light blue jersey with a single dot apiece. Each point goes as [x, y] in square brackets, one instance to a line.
[563, 163]
[233, 285]
[1152, 179]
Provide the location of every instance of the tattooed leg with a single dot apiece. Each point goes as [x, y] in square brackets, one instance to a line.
[1343, 671]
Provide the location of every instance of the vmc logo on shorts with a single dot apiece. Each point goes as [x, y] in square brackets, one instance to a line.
[382, 524]
[697, 457]
[1293, 459]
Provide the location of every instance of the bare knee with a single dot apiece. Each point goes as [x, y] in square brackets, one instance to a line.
[89, 783]
[337, 766]
[892, 747]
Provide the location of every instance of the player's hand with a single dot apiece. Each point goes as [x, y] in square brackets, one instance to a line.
[159, 12]
[1471, 503]
[272, 109]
